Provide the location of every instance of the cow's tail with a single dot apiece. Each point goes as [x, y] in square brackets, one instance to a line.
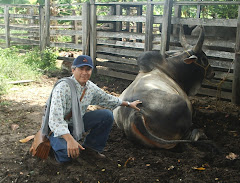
[141, 130]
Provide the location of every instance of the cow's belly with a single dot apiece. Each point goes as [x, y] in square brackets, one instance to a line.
[154, 80]
[166, 109]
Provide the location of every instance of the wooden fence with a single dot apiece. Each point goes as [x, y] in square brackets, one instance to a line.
[115, 38]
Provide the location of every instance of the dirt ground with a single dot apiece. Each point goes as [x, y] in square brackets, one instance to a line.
[20, 116]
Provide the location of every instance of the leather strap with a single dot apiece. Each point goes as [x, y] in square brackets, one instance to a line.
[69, 115]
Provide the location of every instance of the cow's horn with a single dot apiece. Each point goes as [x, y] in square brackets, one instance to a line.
[198, 47]
[183, 40]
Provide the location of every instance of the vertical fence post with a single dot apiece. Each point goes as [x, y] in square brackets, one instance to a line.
[85, 28]
[177, 14]
[112, 11]
[199, 10]
[236, 79]
[93, 34]
[75, 27]
[7, 27]
[42, 40]
[166, 26]
[139, 24]
[47, 22]
[148, 26]
[118, 12]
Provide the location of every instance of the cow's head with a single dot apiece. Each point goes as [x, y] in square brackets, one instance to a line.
[198, 57]
[190, 76]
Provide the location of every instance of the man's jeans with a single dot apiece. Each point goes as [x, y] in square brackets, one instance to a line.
[98, 122]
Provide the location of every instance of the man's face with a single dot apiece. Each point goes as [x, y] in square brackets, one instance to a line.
[82, 74]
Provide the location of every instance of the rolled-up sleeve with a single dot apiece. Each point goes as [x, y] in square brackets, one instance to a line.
[60, 105]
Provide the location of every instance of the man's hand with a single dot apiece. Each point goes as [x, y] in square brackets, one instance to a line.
[72, 146]
[134, 104]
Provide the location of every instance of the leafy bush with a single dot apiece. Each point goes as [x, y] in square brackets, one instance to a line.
[44, 61]
[29, 66]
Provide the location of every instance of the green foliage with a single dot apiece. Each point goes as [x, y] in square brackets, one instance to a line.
[14, 2]
[212, 11]
[15, 66]
[44, 61]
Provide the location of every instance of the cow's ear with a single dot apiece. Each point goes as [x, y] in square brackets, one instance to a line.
[190, 59]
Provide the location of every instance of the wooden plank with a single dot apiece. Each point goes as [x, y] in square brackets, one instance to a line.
[121, 18]
[219, 54]
[157, 19]
[220, 64]
[218, 84]
[62, 27]
[70, 18]
[65, 32]
[119, 51]
[223, 75]
[66, 45]
[205, 22]
[72, 4]
[20, 82]
[207, 3]
[192, 40]
[215, 93]
[129, 35]
[33, 17]
[117, 59]
[21, 40]
[29, 28]
[104, 71]
[120, 3]
[119, 66]
[120, 43]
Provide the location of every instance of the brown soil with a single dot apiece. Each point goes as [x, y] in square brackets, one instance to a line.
[20, 116]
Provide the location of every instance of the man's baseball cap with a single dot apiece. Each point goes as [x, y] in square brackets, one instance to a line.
[83, 60]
